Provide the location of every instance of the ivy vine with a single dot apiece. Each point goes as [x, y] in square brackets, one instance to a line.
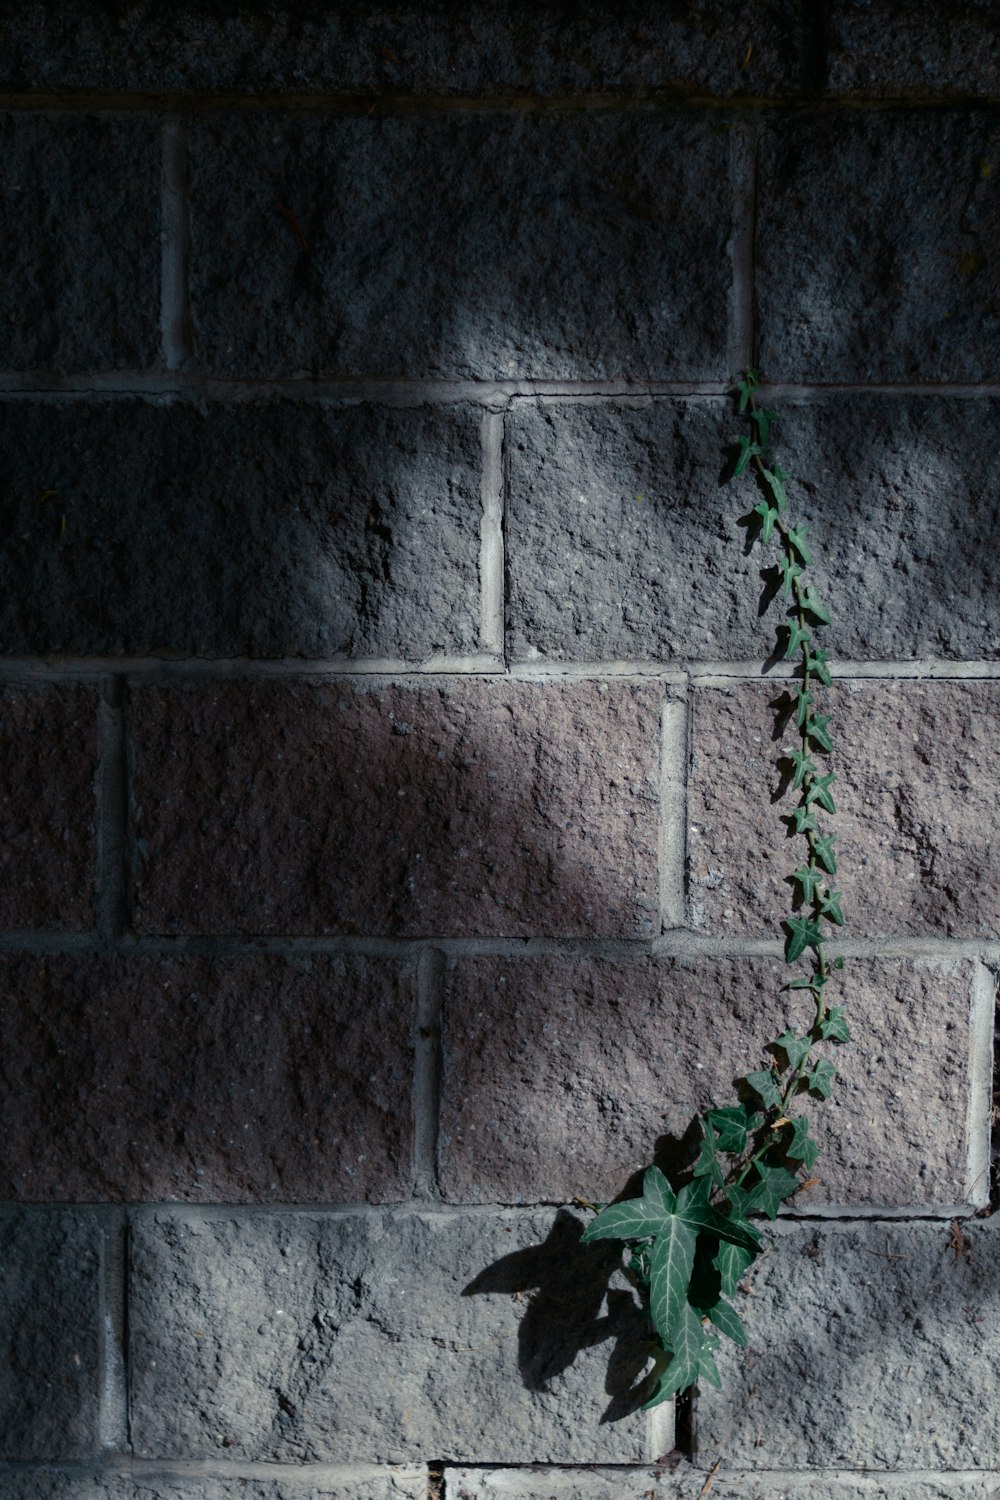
[688, 1249]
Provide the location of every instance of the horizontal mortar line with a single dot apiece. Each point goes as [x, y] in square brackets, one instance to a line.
[223, 667]
[838, 1216]
[544, 671]
[916, 1213]
[684, 943]
[168, 1468]
[719, 673]
[818, 391]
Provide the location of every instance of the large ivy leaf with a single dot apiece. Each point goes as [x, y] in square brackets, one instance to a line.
[727, 1321]
[733, 1263]
[669, 1274]
[708, 1164]
[764, 1084]
[657, 1191]
[630, 1220]
[707, 1369]
[733, 1127]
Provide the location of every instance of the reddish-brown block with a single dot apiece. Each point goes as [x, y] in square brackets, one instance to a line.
[564, 1076]
[48, 806]
[241, 1080]
[917, 766]
[476, 806]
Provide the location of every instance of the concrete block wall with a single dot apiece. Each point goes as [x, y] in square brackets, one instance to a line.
[391, 836]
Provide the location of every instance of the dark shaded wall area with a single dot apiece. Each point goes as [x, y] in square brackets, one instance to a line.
[391, 836]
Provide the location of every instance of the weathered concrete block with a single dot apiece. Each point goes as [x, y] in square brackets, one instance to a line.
[915, 50]
[871, 1346]
[382, 1338]
[475, 806]
[165, 1484]
[415, 48]
[685, 1484]
[563, 1077]
[874, 235]
[258, 1079]
[80, 242]
[916, 765]
[49, 1334]
[478, 245]
[271, 528]
[621, 544]
[47, 806]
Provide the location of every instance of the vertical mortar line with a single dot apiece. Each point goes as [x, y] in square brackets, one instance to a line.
[175, 232]
[673, 811]
[111, 900]
[113, 1396]
[427, 1071]
[743, 170]
[491, 541]
[981, 1066]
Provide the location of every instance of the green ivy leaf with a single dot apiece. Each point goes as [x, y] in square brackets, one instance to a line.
[805, 821]
[685, 1344]
[669, 1273]
[733, 1264]
[810, 601]
[816, 664]
[819, 1079]
[804, 767]
[746, 388]
[727, 1321]
[805, 702]
[707, 1368]
[707, 1164]
[768, 516]
[776, 483]
[802, 1147]
[804, 933]
[834, 1027]
[765, 420]
[748, 450]
[795, 1048]
[823, 850]
[704, 1216]
[733, 1127]
[764, 1084]
[819, 791]
[797, 538]
[815, 982]
[791, 571]
[775, 1185]
[808, 878]
[818, 731]
[830, 907]
[631, 1220]
[657, 1192]
[796, 637]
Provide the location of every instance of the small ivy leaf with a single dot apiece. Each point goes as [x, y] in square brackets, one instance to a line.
[796, 637]
[815, 983]
[795, 1048]
[670, 1268]
[804, 767]
[763, 1083]
[805, 821]
[820, 1078]
[707, 1164]
[727, 1321]
[805, 702]
[834, 1027]
[768, 516]
[816, 663]
[732, 1127]
[748, 450]
[810, 601]
[791, 572]
[797, 539]
[765, 420]
[775, 1185]
[830, 907]
[802, 1147]
[838, 963]
[823, 850]
[808, 878]
[819, 791]
[746, 388]
[804, 933]
[733, 1264]
[818, 731]
[776, 483]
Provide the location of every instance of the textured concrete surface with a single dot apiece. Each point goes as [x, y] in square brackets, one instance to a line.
[621, 543]
[916, 763]
[167, 1484]
[260, 1079]
[408, 48]
[49, 1334]
[410, 808]
[382, 1337]
[80, 241]
[270, 528]
[486, 245]
[914, 49]
[564, 1076]
[871, 1346]
[681, 1483]
[874, 235]
[48, 806]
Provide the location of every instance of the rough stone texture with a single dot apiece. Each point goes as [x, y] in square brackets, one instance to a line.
[913, 48]
[49, 1334]
[258, 1079]
[80, 241]
[47, 805]
[916, 762]
[486, 245]
[412, 808]
[661, 1484]
[164, 1484]
[382, 1337]
[271, 528]
[621, 544]
[871, 1345]
[875, 236]
[562, 1077]
[633, 46]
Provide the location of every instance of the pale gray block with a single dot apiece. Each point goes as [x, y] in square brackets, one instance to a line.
[685, 1483]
